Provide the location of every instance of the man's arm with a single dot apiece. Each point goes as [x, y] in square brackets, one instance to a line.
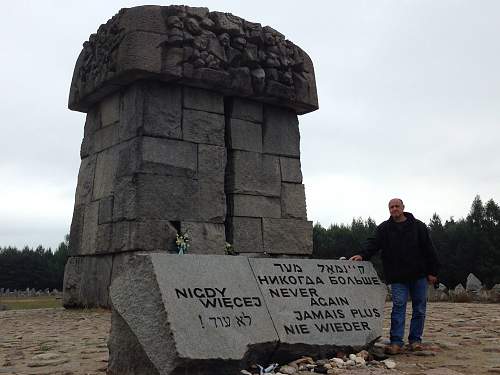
[372, 246]
[430, 254]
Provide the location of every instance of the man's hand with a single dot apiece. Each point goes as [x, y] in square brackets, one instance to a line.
[431, 279]
[356, 257]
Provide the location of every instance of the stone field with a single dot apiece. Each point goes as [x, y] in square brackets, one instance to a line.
[460, 339]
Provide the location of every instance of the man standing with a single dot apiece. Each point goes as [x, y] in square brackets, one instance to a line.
[410, 262]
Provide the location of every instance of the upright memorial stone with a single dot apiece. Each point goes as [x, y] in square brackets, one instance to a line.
[191, 126]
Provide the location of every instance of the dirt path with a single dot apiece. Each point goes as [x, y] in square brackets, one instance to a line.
[463, 338]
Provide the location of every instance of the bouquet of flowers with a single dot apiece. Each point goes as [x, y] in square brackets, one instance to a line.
[182, 242]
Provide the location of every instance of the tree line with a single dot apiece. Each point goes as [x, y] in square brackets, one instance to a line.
[37, 268]
[470, 244]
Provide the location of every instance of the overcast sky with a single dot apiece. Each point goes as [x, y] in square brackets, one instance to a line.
[409, 95]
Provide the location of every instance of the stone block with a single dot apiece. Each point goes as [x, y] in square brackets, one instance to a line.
[89, 233]
[139, 52]
[211, 162]
[132, 111]
[321, 304]
[103, 238]
[293, 201]
[76, 230]
[85, 182]
[203, 127]
[86, 281]
[107, 137]
[187, 311]
[280, 132]
[205, 238]
[211, 201]
[146, 235]
[106, 171]
[245, 234]
[162, 110]
[254, 173]
[245, 135]
[247, 110]
[151, 108]
[290, 170]
[110, 109]
[106, 210]
[287, 236]
[254, 206]
[157, 197]
[203, 100]
[158, 156]
[92, 123]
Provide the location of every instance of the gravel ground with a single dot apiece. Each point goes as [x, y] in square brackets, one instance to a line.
[459, 338]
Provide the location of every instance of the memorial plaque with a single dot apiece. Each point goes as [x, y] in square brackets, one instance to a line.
[322, 302]
[190, 309]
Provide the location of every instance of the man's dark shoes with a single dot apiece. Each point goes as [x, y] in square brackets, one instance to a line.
[392, 349]
[416, 347]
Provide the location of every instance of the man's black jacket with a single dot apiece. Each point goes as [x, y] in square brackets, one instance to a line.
[406, 249]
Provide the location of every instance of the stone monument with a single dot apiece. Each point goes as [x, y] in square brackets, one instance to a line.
[191, 126]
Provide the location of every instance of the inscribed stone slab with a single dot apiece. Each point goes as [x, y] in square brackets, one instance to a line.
[322, 302]
[216, 313]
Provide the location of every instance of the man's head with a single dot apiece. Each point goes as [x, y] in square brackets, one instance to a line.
[396, 209]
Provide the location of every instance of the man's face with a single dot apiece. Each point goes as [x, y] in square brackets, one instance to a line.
[396, 208]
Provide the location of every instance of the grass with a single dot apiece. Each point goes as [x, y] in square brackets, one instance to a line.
[27, 303]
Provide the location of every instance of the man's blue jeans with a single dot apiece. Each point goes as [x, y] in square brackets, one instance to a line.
[418, 293]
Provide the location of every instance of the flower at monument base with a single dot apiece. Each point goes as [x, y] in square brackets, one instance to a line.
[182, 242]
[229, 249]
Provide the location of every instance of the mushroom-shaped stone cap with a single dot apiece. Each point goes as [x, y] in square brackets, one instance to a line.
[194, 47]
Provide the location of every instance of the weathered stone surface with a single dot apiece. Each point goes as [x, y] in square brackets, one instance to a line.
[110, 109]
[290, 170]
[281, 132]
[473, 284]
[205, 238]
[162, 110]
[212, 201]
[85, 180]
[211, 162]
[254, 206]
[143, 235]
[161, 156]
[245, 234]
[297, 291]
[107, 137]
[86, 281]
[106, 170]
[157, 197]
[176, 154]
[293, 201]
[76, 229]
[245, 135]
[106, 210]
[254, 173]
[169, 315]
[287, 236]
[203, 127]
[89, 235]
[235, 57]
[247, 110]
[203, 100]
[92, 123]
[151, 108]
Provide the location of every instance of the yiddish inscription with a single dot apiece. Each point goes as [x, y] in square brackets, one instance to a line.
[321, 302]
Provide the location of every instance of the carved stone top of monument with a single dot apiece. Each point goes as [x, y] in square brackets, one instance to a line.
[195, 47]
